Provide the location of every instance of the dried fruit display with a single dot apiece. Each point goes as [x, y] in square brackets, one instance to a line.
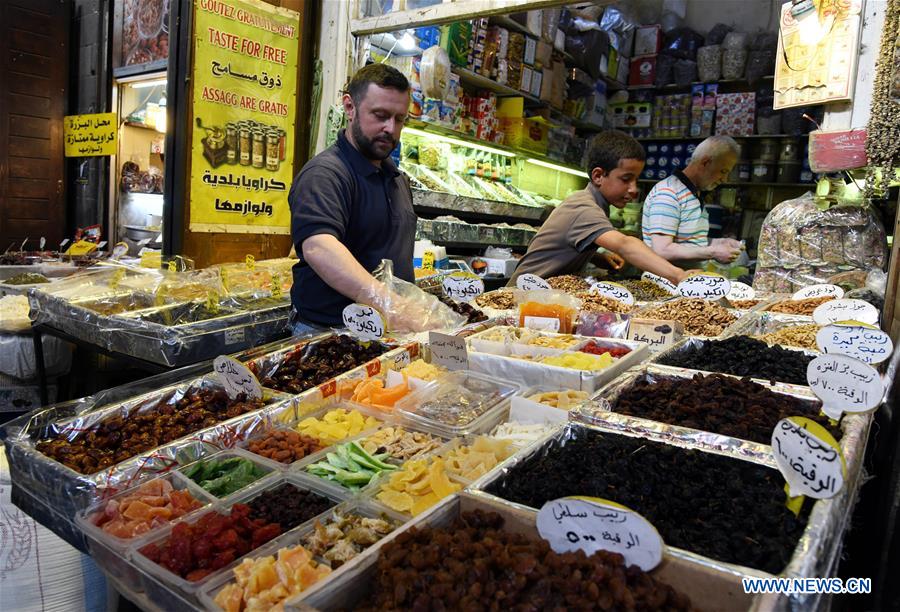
[477, 459]
[723, 508]
[193, 551]
[336, 425]
[744, 304]
[472, 314]
[422, 370]
[350, 466]
[476, 565]
[568, 283]
[800, 336]
[343, 536]
[699, 317]
[728, 406]
[579, 361]
[417, 486]
[372, 392]
[399, 443]
[594, 302]
[645, 291]
[285, 446]
[152, 504]
[288, 506]
[564, 400]
[317, 363]
[118, 438]
[799, 307]
[595, 348]
[502, 299]
[223, 477]
[742, 356]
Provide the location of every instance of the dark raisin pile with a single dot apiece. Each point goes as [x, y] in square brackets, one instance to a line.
[472, 314]
[733, 407]
[743, 356]
[475, 565]
[723, 508]
[288, 506]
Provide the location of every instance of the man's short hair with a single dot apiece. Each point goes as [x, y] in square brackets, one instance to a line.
[715, 147]
[608, 148]
[380, 74]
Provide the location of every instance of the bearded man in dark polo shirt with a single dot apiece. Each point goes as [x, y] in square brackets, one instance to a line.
[573, 232]
[351, 208]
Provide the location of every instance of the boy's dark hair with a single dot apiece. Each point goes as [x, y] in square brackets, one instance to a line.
[608, 148]
[380, 74]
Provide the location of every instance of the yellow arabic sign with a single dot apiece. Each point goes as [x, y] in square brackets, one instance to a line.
[90, 135]
[244, 86]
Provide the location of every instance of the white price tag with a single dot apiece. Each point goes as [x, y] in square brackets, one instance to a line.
[119, 250]
[235, 335]
[542, 323]
[814, 291]
[844, 384]
[448, 351]
[809, 458]
[42, 243]
[236, 377]
[530, 282]
[706, 286]
[364, 322]
[868, 344]
[463, 286]
[845, 310]
[101, 245]
[401, 360]
[614, 291]
[588, 524]
[660, 282]
[654, 333]
[741, 291]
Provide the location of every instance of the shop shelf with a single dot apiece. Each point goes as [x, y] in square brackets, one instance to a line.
[467, 77]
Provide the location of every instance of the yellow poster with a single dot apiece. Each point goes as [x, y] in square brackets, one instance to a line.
[90, 135]
[244, 102]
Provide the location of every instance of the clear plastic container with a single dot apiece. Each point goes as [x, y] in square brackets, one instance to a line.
[434, 410]
[265, 466]
[110, 551]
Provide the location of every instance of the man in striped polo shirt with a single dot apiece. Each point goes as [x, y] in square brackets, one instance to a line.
[675, 224]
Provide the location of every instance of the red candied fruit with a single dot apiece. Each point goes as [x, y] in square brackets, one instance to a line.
[597, 349]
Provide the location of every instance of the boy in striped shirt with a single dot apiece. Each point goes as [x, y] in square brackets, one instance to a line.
[675, 225]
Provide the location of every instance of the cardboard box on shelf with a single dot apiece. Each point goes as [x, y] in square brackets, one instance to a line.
[537, 79]
[622, 70]
[529, 134]
[631, 114]
[525, 82]
[736, 114]
[648, 40]
[530, 50]
[543, 57]
[643, 70]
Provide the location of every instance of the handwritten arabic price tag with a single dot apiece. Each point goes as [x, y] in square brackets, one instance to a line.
[463, 286]
[868, 344]
[550, 324]
[706, 286]
[741, 291]
[844, 384]
[614, 291]
[814, 291]
[531, 282]
[590, 524]
[448, 351]
[809, 458]
[660, 282]
[364, 322]
[845, 310]
[237, 378]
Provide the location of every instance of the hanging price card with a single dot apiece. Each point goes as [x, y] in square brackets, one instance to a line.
[614, 291]
[705, 286]
[863, 342]
[530, 282]
[809, 458]
[741, 291]
[590, 524]
[463, 286]
[814, 291]
[364, 322]
[660, 282]
[844, 384]
[236, 377]
[845, 310]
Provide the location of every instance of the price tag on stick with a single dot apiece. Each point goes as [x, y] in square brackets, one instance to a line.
[705, 286]
[531, 282]
[809, 458]
[614, 291]
[741, 291]
[660, 282]
[590, 524]
[863, 342]
[844, 384]
[364, 322]
[814, 291]
[845, 310]
[448, 351]
[463, 286]
[237, 378]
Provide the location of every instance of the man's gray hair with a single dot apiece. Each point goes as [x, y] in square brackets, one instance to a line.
[715, 147]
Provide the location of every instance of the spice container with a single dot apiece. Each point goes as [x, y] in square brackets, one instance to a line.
[762, 171]
[788, 172]
[231, 143]
[273, 153]
[457, 404]
[246, 146]
[766, 149]
[259, 149]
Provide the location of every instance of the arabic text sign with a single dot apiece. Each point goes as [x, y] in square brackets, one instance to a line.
[814, 291]
[741, 291]
[364, 322]
[531, 282]
[236, 377]
[448, 351]
[463, 286]
[844, 384]
[845, 310]
[652, 332]
[706, 286]
[614, 291]
[858, 341]
[90, 135]
[244, 104]
[573, 523]
[660, 282]
[810, 461]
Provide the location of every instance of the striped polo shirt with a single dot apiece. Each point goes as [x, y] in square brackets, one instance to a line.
[672, 209]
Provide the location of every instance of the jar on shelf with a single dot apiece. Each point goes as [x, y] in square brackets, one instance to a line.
[259, 149]
[273, 151]
[231, 143]
[246, 144]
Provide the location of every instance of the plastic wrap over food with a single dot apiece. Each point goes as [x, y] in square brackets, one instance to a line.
[801, 245]
[819, 545]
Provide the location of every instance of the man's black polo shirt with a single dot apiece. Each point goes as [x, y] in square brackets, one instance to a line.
[341, 193]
